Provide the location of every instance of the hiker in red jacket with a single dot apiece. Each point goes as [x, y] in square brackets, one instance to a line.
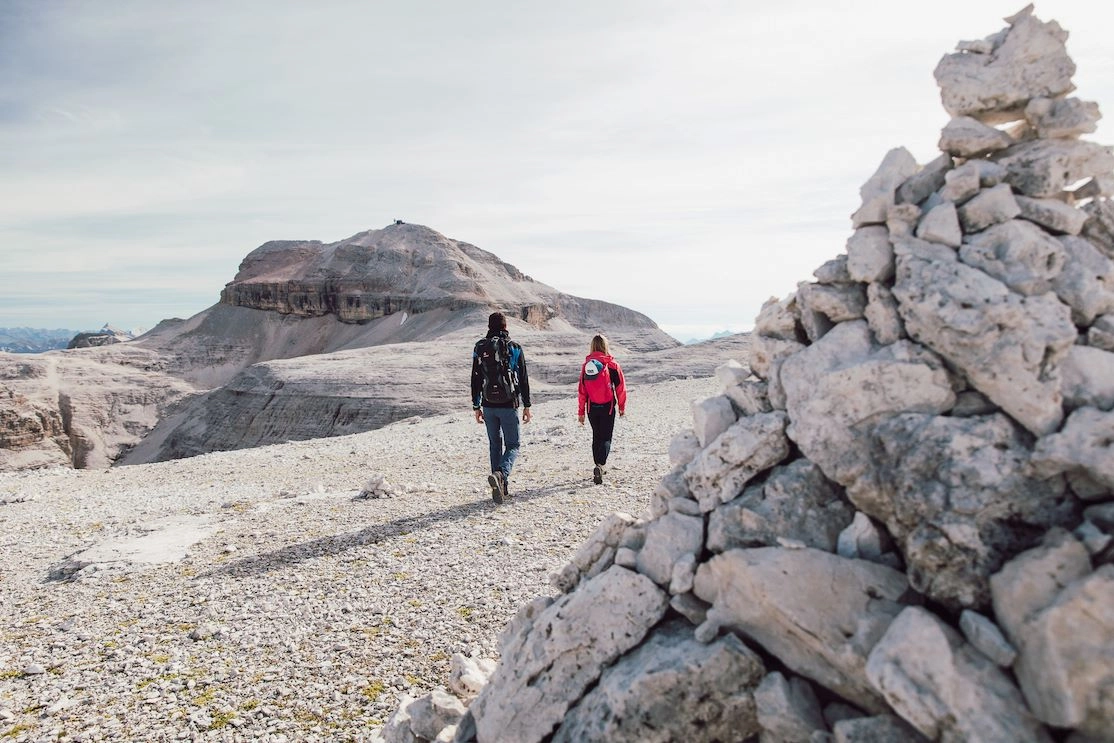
[602, 390]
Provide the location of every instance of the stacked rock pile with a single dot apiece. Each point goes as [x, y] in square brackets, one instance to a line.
[895, 524]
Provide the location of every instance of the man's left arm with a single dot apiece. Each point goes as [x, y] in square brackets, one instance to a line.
[524, 385]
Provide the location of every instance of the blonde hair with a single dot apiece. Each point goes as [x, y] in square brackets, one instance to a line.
[599, 344]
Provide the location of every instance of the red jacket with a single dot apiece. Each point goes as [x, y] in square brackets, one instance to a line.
[599, 376]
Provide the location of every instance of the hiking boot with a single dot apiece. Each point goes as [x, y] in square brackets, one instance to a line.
[498, 489]
[597, 474]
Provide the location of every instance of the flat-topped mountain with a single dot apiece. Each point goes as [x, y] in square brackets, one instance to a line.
[404, 268]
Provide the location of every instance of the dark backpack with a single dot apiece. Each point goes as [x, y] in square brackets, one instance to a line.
[495, 363]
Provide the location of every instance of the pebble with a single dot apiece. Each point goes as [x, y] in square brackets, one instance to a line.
[300, 622]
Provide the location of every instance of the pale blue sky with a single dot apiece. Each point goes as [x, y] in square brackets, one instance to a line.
[685, 159]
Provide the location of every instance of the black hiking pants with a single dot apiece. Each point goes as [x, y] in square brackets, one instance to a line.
[602, 418]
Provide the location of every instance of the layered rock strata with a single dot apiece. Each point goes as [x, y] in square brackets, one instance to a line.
[904, 506]
[403, 268]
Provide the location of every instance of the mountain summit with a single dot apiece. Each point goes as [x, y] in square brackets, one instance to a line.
[403, 268]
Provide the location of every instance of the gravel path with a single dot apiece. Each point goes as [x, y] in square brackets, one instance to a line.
[302, 613]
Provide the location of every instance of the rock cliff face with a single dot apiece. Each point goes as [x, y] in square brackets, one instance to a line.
[898, 523]
[404, 268]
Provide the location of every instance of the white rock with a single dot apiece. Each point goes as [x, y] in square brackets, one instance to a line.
[1019, 254]
[878, 193]
[1086, 283]
[985, 636]
[967, 137]
[870, 256]
[1052, 214]
[1088, 378]
[989, 207]
[940, 225]
[723, 468]
[711, 416]
[944, 687]
[821, 624]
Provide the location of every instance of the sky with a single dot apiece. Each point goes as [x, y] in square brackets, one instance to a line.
[688, 160]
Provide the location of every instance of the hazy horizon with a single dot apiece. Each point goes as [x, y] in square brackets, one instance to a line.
[687, 162]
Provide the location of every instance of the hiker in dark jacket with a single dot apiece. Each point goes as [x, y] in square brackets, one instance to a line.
[603, 392]
[499, 383]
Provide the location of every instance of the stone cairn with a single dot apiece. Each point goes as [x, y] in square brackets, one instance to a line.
[895, 524]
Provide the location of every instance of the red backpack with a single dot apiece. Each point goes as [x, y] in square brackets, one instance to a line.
[597, 380]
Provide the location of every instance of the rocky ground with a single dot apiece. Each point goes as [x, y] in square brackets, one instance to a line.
[251, 595]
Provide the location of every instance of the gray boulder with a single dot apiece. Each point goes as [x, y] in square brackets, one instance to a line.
[945, 688]
[1006, 345]
[795, 502]
[821, 624]
[1019, 254]
[960, 498]
[750, 446]
[993, 82]
[554, 650]
[671, 688]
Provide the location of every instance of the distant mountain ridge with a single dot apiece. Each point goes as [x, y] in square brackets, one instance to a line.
[34, 340]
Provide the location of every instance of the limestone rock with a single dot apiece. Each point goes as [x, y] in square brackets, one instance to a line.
[879, 192]
[1044, 167]
[1099, 227]
[834, 272]
[671, 688]
[1101, 333]
[862, 539]
[1086, 283]
[778, 319]
[667, 540]
[925, 181]
[944, 687]
[788, 711]
[985, 637]
[1052, 214]
[961, 183]
[766, 351]
[750, 397]
[598, 553]
[1019, 254]
[988, 207]
[750, 446]
[1006, 345]
[796, 502]
[995, 83]
[838, 303]
[882, 316]
[1088, 378]
[1066, 661]
[940, 225]
[1031, 581]
[821, 624]
[870, 256]
[683, 447]
[1061, 117]
[877, 729]
[1084, 444]
[844, 380]
[967, 137]
[711, 417]
[959, 497]
[550, 657]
